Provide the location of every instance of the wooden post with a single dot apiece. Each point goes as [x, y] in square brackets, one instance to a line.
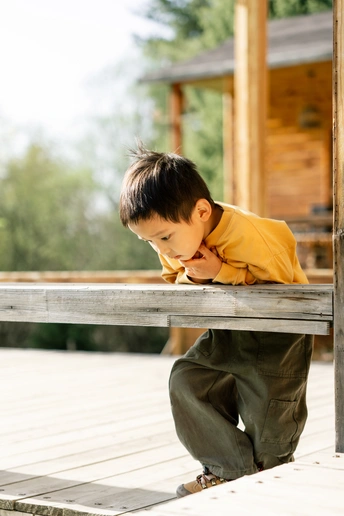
[176, 106]
[250, 104]
[175, 344]
[338, 226]
[228, 143]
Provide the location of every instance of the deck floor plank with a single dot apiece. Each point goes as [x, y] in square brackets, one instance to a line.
[86, 434]
[292, 490]
[100, 445]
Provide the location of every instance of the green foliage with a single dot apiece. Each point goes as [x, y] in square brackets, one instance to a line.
[203, 142]
[160, 135]
[62, 336]
[285, 8]
[191, 26]
[217, 22]
[179, 17]
[49, 220]
[44, 210]
[88, 337]
[83, 337]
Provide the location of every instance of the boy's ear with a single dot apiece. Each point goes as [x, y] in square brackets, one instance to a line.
[203, 209]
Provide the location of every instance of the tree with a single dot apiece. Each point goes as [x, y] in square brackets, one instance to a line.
[192, 26]
[52, 218]
[44, 208]
[49, 220]
[283, 8]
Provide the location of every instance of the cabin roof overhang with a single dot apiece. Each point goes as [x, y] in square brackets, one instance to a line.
[291, 42]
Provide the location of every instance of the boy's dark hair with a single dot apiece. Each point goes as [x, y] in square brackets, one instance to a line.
[168, 185]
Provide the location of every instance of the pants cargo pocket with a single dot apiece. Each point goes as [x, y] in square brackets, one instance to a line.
[280, 425]
[283, 355]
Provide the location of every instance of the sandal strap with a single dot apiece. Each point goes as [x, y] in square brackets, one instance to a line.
[204, 479]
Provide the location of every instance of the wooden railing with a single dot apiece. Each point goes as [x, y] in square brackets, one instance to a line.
[136, 276]
[279, 308]
[180, 338]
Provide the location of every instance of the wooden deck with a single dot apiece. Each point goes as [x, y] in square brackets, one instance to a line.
[86, 434]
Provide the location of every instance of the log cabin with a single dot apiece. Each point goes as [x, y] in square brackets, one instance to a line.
[296, 172]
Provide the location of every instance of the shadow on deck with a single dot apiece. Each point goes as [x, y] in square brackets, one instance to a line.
[93, 434]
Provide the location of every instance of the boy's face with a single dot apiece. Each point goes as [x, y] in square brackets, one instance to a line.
[174, 240]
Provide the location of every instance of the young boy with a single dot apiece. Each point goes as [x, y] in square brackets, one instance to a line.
[259, 376]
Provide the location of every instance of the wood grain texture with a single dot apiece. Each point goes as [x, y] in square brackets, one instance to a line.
[338, 229]
[92, 434]
[310, 327]
[250, 104]
[168, 305]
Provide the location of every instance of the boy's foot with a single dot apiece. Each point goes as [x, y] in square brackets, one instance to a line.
[203, 481]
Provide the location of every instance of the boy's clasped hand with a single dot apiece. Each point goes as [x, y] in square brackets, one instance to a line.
[204, 265]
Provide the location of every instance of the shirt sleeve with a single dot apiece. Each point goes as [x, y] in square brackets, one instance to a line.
[230, 275]
[266, 254]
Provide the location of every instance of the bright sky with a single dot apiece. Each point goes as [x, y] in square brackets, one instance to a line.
[49, 49]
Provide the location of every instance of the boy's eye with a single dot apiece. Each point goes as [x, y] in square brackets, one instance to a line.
[166, 237]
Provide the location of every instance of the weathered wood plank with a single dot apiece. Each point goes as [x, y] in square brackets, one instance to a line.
[19, 485]
[134, 438]
[11, 513]
[122, 276]
[156, 305]
[310, 327]
[79, 401]
[39, 465]
[104, 444]
[122, 459]
[120, 492]
[338, 226]
[288, 490]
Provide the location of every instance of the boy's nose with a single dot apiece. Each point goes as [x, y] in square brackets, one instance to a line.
[164, 248]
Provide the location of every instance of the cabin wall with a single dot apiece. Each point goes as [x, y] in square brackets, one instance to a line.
[298, 147]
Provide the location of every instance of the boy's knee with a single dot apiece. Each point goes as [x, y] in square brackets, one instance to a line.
[178, 378]
[181, 384]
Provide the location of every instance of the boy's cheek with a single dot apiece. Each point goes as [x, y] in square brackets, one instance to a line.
[153, 247]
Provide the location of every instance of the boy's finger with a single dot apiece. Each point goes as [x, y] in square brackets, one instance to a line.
[198, 254]
[202, 250]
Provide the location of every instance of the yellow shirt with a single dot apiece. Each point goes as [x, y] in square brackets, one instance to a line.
[252, 250]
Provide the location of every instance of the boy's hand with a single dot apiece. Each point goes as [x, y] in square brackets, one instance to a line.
[206, 266]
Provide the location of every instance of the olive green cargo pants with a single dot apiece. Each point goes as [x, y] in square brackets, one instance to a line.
[260, 377]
